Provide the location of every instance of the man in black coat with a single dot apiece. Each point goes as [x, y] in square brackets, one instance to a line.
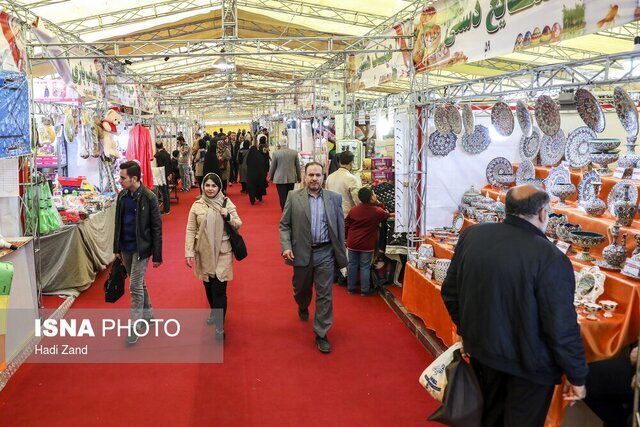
[163, 159]
[137, 237]
[510, 293]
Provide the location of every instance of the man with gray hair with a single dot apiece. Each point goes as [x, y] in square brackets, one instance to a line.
[285, 170]
[510, 291]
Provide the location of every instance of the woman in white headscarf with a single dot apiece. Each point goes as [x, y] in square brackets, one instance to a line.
[207, 246]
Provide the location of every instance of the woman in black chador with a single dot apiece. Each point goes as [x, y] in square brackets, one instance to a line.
[256, 174]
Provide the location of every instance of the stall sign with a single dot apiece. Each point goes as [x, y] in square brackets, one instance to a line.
[149, 100]
[88, 77]
[452, 32]
[366, 70]
[53, 90]
[124, 91]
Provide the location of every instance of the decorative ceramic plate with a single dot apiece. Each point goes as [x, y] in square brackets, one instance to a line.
[454, 119]
[557, 174]
[577, 148]
[526, 170]
[589, 110]
[442, 144]
[468, 120]
[530, 145]
[547, 115]
[496, 167]
[627, 111]
[524, 118]
[476, 142]
[585, 187]
[552, 149]
[502, 118]
[441, 120]
[617, 193]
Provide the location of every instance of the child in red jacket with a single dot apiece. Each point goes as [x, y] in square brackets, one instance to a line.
[361, 229]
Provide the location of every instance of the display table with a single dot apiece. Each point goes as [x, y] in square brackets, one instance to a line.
[72, 256]
[22, 305]
[421, 297]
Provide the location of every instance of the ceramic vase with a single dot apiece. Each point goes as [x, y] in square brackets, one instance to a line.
[625, 210]
[615, 254]
[595, 206]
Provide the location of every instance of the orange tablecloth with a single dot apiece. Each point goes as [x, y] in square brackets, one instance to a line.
[421, 297]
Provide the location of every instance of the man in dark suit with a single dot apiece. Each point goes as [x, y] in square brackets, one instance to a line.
[510, 293]
[312, 240]
[285, 171]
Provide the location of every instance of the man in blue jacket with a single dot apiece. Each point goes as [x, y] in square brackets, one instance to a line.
[510, 293]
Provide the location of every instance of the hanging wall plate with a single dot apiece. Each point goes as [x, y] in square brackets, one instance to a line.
[441, 120]
[468, 119]
[530, 145]
[454, 119]
[442, 144]
[626, 111]
[547, 115]
[502, 118]
[589, 110]
[478, 141]
[552, 149]
[524, 118]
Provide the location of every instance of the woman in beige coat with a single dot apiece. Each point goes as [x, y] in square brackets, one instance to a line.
[207, 246]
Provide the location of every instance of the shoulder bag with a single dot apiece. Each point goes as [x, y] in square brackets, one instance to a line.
[114, 286]
[237, 242]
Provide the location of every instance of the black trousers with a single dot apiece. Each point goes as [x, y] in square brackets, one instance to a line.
[511, 401]
[217, 295]
[283, 191]
[166, 198]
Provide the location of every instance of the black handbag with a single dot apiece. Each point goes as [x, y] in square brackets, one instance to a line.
[462, 403]
[114, 286]
[237, 242]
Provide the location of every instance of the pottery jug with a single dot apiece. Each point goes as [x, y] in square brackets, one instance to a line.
[614, 253]
[624, 210]
[595, 206]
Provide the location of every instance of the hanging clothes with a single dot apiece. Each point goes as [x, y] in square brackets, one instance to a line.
[140, 148]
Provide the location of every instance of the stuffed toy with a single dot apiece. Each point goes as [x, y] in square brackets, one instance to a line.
[110, 124]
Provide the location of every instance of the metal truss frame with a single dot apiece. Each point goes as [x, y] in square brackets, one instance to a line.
[316, 11]
[133, 15]
[143, 13]
[603, 71]
[211, 48]
[206, 25]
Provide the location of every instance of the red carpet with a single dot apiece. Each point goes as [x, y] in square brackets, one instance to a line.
[272, 372]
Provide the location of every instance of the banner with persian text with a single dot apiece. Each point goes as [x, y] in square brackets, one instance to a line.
[372, 69]
[462, 31]
[86, 76]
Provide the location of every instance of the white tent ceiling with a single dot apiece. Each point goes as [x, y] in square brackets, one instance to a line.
[255, 77]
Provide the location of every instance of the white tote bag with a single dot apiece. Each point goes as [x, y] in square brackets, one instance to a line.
[434, 378]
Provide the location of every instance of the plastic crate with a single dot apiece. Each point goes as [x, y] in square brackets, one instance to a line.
[70, 182]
